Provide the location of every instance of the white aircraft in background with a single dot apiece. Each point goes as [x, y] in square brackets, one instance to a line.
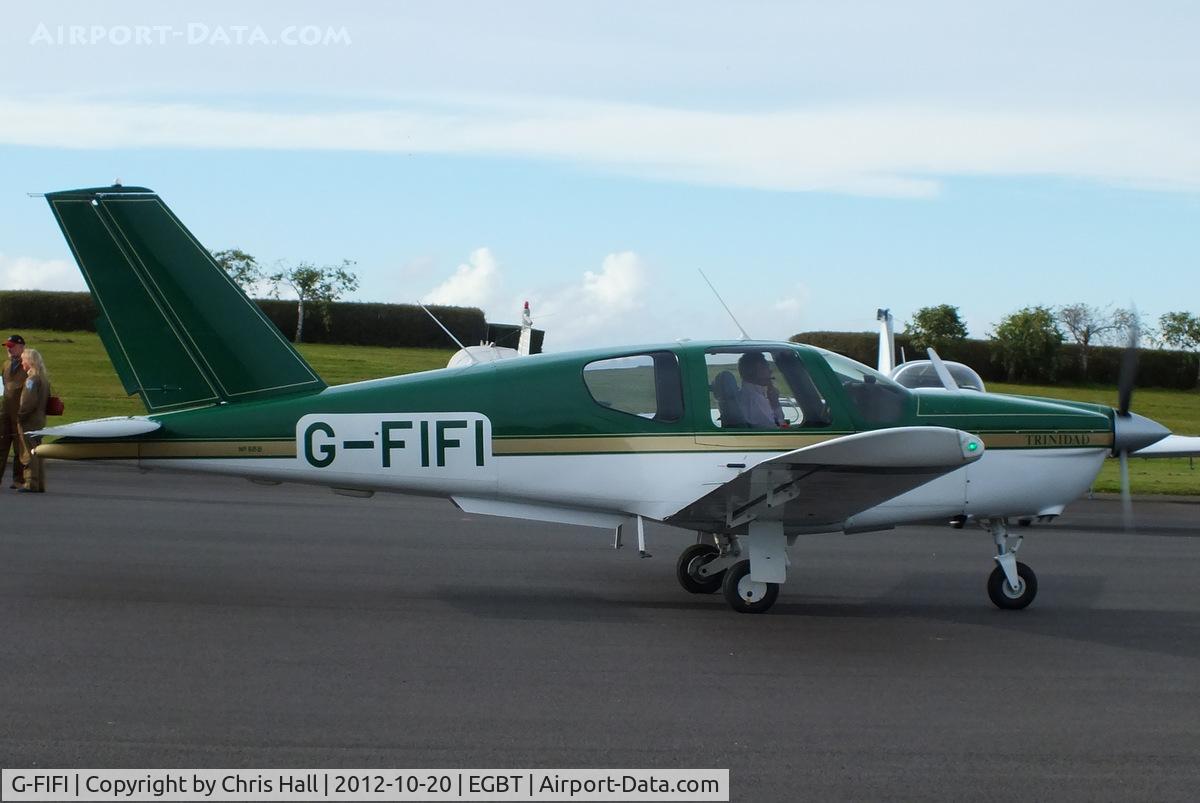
[490, 352]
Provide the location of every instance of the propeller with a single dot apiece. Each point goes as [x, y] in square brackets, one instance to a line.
[1125, 382]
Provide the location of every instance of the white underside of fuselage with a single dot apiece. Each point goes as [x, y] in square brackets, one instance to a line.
[1003, 483]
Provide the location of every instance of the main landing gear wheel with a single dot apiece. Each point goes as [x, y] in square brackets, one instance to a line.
[688, 569]
[1004, 596]
[743, 594]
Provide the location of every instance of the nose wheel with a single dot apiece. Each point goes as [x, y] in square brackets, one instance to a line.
[1012, 585]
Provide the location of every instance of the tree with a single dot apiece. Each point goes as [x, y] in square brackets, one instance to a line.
[936, 327]
[241, 267]
[1027, 342]
[1181, 330]
[317, 287]
[1088, 325]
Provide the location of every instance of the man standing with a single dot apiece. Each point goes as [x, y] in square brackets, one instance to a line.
[14, 382]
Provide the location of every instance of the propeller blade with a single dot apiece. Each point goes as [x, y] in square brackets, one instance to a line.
[943, 373]
[1126, 497]
[1128, 375]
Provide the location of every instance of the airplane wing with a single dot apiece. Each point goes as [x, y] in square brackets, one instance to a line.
[818, 487]
[1171, 446]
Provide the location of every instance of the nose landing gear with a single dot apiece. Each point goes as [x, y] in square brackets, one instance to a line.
[1012, 585]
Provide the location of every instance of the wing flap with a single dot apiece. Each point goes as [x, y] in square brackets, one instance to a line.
[820, 486]
[538, 512]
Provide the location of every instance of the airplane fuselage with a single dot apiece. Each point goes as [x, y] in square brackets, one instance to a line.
[528, 432]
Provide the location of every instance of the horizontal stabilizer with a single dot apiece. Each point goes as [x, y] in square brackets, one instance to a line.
[116, 427]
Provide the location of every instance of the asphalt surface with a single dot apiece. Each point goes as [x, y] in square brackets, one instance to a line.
[160, 620]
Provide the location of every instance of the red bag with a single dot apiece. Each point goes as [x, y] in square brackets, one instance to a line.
[55, 406]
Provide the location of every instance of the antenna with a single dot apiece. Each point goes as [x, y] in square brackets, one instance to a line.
[726, 306]
[449, 334]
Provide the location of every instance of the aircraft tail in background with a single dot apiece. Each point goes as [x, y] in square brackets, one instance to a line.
[887, 342]
[178, 330]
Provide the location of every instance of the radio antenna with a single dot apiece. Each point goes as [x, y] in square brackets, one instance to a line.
[449, 334]
[728, 311]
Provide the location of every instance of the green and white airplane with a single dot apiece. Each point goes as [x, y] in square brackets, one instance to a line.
[753, 445]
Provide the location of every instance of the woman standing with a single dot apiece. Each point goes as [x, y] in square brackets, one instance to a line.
[31, 416]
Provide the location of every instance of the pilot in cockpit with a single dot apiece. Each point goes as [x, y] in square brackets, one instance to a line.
[758, 397]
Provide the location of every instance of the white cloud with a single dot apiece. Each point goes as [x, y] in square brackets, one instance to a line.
[870, 148]
[31, 273]
[617, 286]
[603, 306]
[786, 315]
[474, 283]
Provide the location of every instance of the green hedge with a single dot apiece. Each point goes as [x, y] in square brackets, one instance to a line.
[43, 309]
[1156, 367]
[380, 324]
[353, 324]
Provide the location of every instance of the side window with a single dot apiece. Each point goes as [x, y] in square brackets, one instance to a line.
[762, 389]
[645, 385]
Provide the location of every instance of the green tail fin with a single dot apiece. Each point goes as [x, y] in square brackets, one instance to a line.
[179, 331]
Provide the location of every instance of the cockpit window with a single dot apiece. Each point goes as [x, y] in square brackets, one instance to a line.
[757, 388]
[877, 399]
[645, 385]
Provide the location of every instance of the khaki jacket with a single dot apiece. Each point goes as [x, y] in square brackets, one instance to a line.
[34, 395]
[14, 384]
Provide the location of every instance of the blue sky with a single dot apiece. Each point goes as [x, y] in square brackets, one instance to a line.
[816, 161]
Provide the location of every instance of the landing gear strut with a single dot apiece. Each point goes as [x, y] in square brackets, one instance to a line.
[747, 569]
[1012, 585]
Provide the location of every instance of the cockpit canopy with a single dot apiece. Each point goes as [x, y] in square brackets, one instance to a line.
[921, 374]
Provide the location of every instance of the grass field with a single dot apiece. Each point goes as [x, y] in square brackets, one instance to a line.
[83, 376]
[1178, 410]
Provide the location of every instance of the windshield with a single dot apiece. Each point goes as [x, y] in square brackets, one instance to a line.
[876, 398]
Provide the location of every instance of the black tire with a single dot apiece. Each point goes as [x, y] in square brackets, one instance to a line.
[692, 559]
[733, 594]
[1003, 596]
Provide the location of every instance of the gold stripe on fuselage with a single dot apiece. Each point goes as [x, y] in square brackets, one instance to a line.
[631, 444]
[547, 445]
[159, 450]
[1047, 440]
